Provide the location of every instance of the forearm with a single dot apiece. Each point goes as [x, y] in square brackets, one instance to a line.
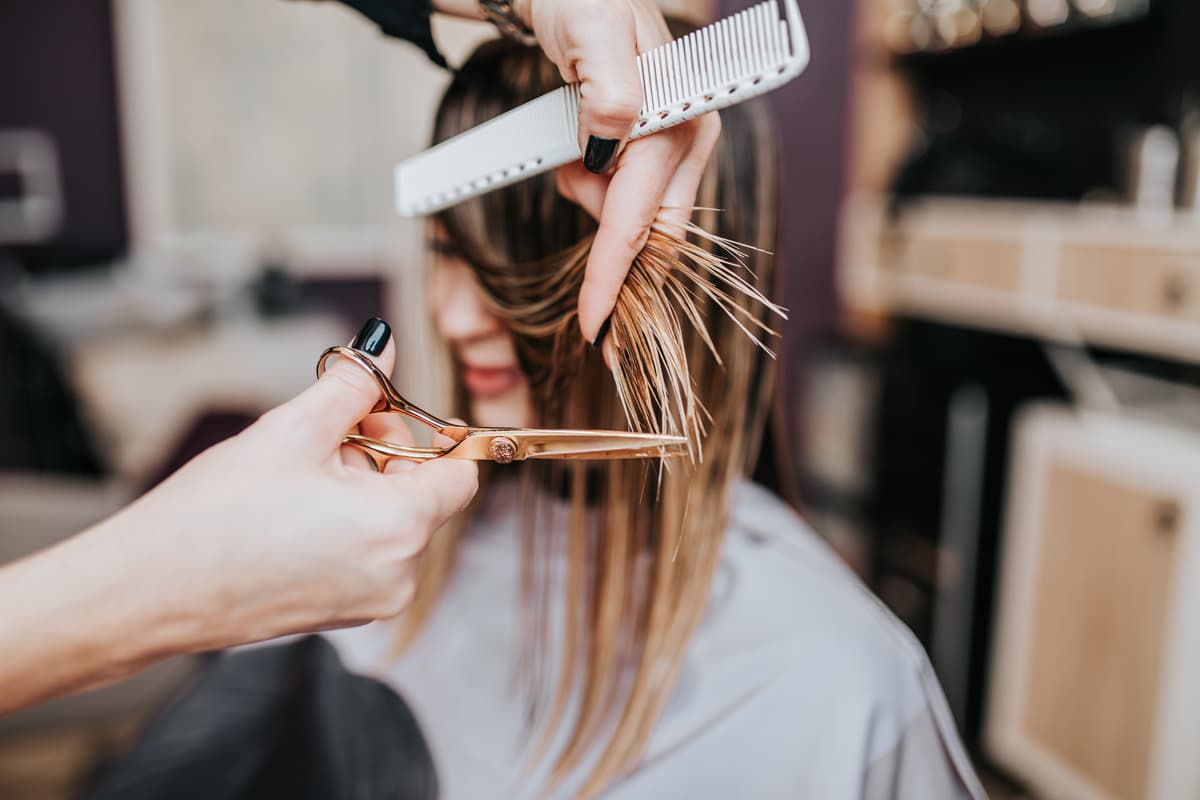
[82, 614]
[266, 534]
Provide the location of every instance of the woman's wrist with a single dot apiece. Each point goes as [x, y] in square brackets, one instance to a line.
[160, 607]
[82, 623]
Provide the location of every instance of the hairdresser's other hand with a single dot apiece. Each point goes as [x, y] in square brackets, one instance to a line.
[278, 530]
[281, 530]
[596, 42]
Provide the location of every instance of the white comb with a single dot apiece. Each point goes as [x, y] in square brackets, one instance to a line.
[732, 60]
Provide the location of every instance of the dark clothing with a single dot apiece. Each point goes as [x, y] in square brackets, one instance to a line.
[403, 19]
[281, 722]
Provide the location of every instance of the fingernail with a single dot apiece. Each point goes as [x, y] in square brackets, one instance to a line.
[600, 153]
[373, 337]
[598, 342]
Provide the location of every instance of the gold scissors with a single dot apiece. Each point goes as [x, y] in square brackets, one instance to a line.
[501, 445]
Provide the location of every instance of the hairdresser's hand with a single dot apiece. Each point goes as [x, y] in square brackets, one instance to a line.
[278, 530]
[596, 42]
[282, 530]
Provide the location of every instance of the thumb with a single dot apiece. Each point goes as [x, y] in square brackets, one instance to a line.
[346, 392]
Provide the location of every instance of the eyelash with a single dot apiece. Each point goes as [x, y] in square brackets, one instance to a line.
[445, 249]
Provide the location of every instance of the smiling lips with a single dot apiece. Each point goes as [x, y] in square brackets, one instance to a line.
[490, 381]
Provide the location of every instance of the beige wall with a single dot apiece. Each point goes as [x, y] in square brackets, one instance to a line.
[275, 116]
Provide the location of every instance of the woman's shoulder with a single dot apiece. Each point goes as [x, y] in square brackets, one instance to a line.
[784, 574]
[814, 654]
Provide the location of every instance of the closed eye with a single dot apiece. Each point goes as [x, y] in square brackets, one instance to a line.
[441, 247]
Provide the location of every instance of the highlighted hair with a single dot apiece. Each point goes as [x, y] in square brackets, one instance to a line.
[688, 339]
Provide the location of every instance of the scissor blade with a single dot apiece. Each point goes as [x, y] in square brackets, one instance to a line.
[521, 444]
[602, 445]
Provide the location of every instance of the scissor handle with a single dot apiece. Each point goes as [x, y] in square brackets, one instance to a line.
[391, 400]
[380, 452]
[501, 445]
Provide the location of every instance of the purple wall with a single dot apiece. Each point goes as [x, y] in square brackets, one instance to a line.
[58, 74]
[812, 116]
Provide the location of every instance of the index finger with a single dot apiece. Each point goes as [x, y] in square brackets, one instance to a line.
[634, 197]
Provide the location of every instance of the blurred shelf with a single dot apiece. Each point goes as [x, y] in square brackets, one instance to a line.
[930, 31]
[141, 391]
[1107, 276]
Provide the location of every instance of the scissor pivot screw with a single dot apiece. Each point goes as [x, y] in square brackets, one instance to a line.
[503, 450]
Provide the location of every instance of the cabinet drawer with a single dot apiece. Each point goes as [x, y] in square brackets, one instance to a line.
[980, 263]
[1141, 280]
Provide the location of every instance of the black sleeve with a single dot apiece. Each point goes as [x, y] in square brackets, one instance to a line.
[403, 19]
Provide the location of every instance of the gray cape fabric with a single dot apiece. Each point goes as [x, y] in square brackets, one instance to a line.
[799, 683]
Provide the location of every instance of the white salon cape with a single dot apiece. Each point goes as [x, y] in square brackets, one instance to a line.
[798, 683]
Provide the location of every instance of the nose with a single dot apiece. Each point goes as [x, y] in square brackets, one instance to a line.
[460, 312]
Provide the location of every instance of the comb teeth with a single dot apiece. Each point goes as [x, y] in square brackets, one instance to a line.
[720, 56]
[714, 67]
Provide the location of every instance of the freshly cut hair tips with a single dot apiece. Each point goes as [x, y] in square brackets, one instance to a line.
[682, 272]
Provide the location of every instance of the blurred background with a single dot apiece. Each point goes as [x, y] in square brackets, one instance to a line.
[989, 398]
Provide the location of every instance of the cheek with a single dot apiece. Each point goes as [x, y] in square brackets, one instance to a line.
[440, 294]
[463, 318]
[435, 299]
[459, 309]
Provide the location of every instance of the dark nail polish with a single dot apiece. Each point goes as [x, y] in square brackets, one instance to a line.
[602, 333]
[373, 337]
[600, 153]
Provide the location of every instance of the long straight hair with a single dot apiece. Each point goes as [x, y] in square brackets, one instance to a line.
[689, 331]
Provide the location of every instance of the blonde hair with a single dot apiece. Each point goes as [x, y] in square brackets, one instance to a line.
[643, 544]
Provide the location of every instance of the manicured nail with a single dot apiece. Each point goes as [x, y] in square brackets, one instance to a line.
[598, 342]
[373, 337]
[600, 153]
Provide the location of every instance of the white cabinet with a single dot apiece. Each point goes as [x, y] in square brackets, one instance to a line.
[1095, 680]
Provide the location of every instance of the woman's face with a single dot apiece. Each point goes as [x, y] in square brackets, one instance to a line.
[485, 355]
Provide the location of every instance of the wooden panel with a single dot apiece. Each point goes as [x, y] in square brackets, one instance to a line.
[882, 116]
[1126, 279]
[881, 103]
[1099, 614]
[981, 263]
